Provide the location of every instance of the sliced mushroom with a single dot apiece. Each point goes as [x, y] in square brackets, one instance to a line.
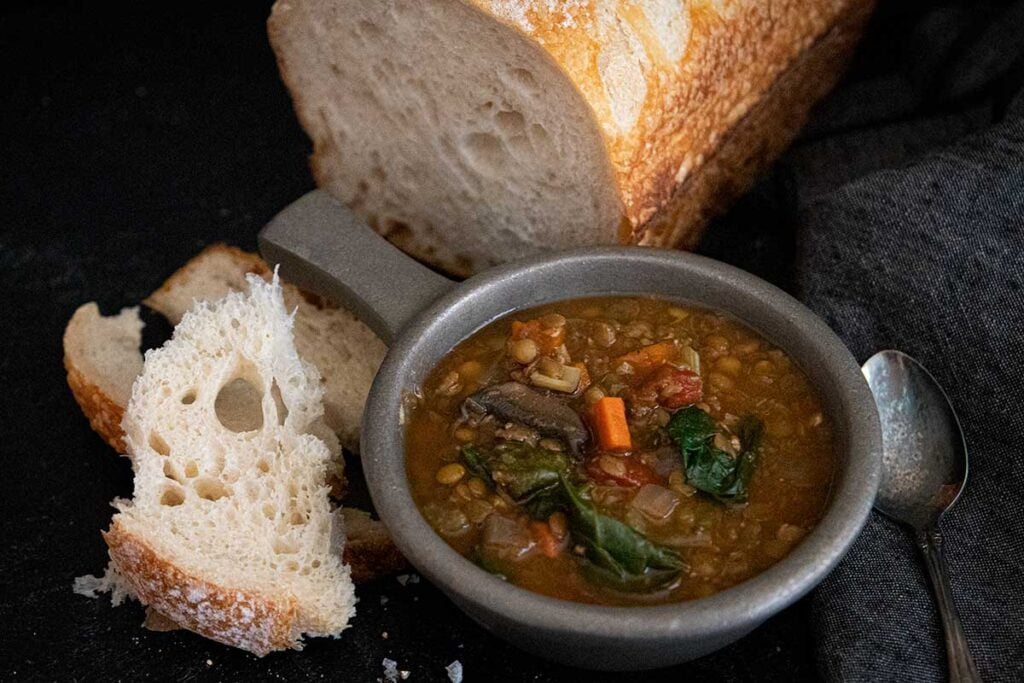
[515, 402]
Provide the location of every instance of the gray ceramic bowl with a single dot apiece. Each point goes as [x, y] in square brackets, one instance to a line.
[422, 316]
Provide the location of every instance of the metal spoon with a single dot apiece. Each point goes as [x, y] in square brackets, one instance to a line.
[924, 469]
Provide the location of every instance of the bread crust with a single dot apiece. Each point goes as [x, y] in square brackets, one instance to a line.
[369, 551]
[233, 616]
[757, 140]
[247, 262]
[104, 414]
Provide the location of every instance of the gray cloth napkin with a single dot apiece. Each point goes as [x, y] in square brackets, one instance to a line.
[909, 210]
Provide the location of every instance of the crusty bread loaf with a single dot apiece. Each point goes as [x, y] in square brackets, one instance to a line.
[474, 131]
[230, 532]
[102, 358]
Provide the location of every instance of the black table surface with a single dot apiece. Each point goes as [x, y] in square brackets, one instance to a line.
[133, 135]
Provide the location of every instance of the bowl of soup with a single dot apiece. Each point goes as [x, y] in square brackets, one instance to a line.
[621, 451]
[617, 458]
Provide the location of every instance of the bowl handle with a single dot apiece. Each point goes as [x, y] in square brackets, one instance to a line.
[322, 246]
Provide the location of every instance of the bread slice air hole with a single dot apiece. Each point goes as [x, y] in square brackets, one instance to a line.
[189, 398]
[297, 518]
[486, 153]
[285, 547]
[510, 123]
[210, 489]
[239, 406]
[171, 472]
[157, 443]
[191, 469]
[172, 497]
[262, 465]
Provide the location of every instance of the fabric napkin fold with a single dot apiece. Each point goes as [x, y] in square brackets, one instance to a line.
[911, 236]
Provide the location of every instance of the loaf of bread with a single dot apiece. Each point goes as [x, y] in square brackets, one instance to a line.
[102, 358]
[230, 532]
[470, 132]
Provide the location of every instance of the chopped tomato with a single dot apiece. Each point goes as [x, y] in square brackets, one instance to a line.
[620, 471]
[672, 388]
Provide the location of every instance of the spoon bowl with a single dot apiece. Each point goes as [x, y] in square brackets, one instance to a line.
[924, 456]
[924, 469]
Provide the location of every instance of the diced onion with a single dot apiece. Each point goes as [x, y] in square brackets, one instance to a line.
[567, 383]
[506, 535]
[657, 502]
[690, 358]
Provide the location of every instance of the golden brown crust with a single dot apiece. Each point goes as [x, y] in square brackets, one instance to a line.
[752, 145]
[373, 558]
[103, 413]
[248, 262]
[235, 617]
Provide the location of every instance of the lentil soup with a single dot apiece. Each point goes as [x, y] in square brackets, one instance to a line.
[619, 451]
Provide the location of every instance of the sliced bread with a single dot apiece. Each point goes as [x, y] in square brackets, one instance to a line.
[343, 349]
[102, 358]
[230, 532]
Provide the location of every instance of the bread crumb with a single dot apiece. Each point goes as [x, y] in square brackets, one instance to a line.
[384, 635]
[383, 599]
[454, 671]
[390, 670]
[209, 662]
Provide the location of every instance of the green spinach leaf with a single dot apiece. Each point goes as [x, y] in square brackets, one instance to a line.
[620, 555]
[529, 475]
[540, 481]
[475, 464]
[710, 469]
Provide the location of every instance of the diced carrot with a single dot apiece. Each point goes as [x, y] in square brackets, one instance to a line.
[545, 540]
[649, 356]
[610, 424]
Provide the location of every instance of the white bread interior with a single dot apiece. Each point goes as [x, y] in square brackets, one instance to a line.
[230, 531]
[343, 349]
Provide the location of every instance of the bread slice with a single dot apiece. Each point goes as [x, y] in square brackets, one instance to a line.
[474, 131]
[230, 532]
[343, 349]
[102, 358]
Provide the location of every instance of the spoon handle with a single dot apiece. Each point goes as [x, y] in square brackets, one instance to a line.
[961, 664]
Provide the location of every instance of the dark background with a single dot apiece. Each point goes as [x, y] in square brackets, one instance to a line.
[134, 134]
